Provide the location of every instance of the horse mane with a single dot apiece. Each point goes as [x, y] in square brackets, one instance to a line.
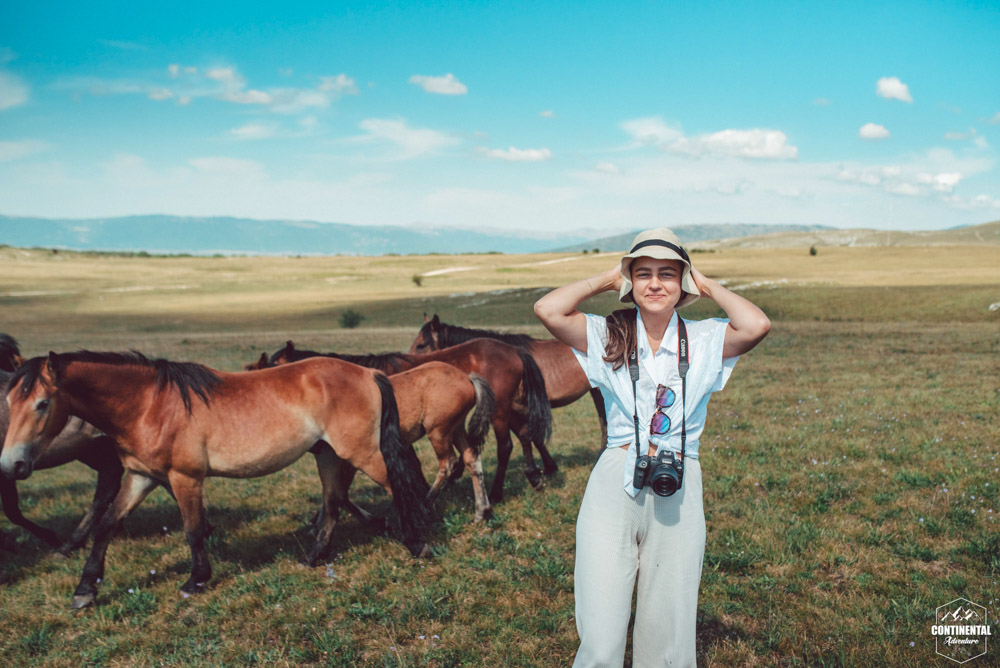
[8, 351]
[388, 363]
[452, 335]
[185, 377]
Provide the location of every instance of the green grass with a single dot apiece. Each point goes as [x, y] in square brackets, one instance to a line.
[840, 467]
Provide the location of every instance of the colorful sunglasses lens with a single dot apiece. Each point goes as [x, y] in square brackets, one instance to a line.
[664, 397]
[660, 424]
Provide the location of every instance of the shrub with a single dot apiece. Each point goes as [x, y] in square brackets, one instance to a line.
[418, 280]
[812, 250]
[350, 319]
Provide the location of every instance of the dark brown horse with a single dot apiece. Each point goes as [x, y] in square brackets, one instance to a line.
[516, 381]
[242, 425]
[78, 441]
[565, 381]
[434, 399]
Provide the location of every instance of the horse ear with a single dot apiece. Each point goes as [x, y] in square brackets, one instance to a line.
[426, 319]
[52, 365]
[435, 321]
[289, 346]
[16, 360]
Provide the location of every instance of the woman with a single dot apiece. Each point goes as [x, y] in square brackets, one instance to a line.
[627, 529]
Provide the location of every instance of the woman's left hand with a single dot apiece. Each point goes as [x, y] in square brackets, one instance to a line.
[701, 282]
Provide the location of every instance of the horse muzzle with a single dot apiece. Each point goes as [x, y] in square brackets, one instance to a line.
[15, 464]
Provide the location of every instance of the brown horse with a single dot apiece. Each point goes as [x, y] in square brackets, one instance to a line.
[245, 425]
[516, 381]
[434, 399]
[565, 381]
[78, 441]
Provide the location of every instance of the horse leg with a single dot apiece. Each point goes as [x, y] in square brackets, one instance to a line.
[346, 472]
[504, 447]
[531, 470]
[134, 489]
[446, 462]
[189, 493]
[473, 462]
[328, 465]
[602, 414]
[109, 480]
[8, 496]
[549, 465]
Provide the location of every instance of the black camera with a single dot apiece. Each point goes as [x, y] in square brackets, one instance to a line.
[663, 473]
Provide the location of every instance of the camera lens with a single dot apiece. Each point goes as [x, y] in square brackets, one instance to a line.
[664, 480]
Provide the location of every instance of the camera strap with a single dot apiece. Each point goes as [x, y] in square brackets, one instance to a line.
[682, 369]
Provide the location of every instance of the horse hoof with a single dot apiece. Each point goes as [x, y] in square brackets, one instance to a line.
[551, 470]
[484, 515]
[536, 480]
[420, 550]
[193, 587]
[83, 601]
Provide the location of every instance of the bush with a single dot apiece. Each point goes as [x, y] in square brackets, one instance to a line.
[812, 250]
[418, 280]
[350, 319]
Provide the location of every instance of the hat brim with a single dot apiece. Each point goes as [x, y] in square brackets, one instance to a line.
[690, 290]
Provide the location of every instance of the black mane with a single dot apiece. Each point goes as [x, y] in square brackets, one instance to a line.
[388, 363]
[185, 377]
[452, 335]
[8, 351]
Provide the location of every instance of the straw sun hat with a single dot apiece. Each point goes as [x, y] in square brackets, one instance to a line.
[661, 244]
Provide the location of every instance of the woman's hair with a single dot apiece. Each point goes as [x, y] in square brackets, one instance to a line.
[621, 337]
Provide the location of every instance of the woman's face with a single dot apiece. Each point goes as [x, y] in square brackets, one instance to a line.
[656, 284]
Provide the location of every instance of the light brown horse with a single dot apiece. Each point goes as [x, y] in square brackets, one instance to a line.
[516, 381]
[78, 441]
[565, 381]
[434, 399]
[245, 425]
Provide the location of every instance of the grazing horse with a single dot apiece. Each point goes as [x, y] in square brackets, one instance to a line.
[516, 381]
[245, 425]
[565, 381]
[434, 400]
[78, 441]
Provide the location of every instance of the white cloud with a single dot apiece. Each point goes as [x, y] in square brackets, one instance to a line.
[122, 45]
[996, 119]
[254, 131]
[651, 131]
[518, 154]
[13, 91]
[607, 168]
[341, 84]
[873, 131]
[446, 85]
[411, 141]
[227, 166]
[891, 88]
[160, 94]
[755, 143]
[548, 113]
[959, 136]
[15, 150]
[821, 102]
[173, 70]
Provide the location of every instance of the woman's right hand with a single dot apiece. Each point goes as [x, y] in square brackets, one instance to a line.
[613, 278]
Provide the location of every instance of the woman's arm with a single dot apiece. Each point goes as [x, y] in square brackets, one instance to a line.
[747, 324]
[557, 310]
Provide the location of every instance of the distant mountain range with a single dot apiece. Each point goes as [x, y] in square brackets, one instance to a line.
[691, 233]
[242, 236]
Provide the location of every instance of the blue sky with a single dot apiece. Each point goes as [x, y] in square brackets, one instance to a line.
[539, 118]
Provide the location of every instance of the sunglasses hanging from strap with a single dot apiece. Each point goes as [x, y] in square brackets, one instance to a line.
[682, 368]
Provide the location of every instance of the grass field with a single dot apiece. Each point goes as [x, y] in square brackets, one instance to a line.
[850, 467]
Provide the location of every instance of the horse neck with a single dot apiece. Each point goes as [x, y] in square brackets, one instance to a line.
[107, 396]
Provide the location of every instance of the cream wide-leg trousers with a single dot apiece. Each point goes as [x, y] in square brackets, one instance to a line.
[660, 539]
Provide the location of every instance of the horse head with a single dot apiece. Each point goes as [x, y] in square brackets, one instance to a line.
[38, 412]
[262, 363]
[427, 339]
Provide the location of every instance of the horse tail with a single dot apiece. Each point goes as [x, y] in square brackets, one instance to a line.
[10, 353]
[409, 488]
[480, 421]
[536, 398]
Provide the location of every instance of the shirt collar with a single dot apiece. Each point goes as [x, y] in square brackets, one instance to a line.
[668, 336]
